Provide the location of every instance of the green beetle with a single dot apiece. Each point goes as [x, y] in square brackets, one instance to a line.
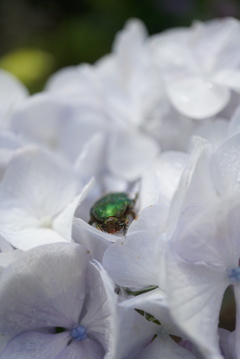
[111, 212]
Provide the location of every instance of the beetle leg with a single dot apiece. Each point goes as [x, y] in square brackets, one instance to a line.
[99, 227]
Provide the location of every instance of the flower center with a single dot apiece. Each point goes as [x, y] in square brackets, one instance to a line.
[79, 333]
[46, 222]
[234, 275]
[162, 331]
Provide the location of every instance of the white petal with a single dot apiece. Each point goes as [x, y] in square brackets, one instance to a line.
[134, 261]
[198, 98]
[5, 246]
[9, 142]
[36, 345]
[87, 349]
[11, 92]
[64, 221]
[160, 182]
[234, 125]
[94, 240]
[37, 119]
[134, 333]
[155, 303]
[215, 132]
[129, 43]
[40, 181]
[195, 293]
[64, 80]
[84, 120]
[210, 235]
[152, 219]
[225, 340]
[195, 187]
[91, 159]
[215, 43]
[229, 78]
[24, 235]
[101, 309]
[165, 348]
[8, 258]
[225, 166]
[45, 287]
[79, 81]
[130, 154]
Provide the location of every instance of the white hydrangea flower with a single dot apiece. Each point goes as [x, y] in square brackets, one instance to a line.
[123, 104]
[39, 195]
[150, 335]
[55, 304]
[133, 85]
[61, 124]
[203, 263]
[200, 65]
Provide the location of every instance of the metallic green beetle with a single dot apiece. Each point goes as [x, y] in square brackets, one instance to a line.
[111, 212]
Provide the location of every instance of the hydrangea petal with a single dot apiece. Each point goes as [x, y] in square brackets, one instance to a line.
[225, 166]
[195, 187]
[234, 125]
[160, 182]
[38, 291]
[87, 349]
[64, 221]
[101, 311]
[165, 348]
[229, 78]
[37, 119]
[198, 98]
[93, 239]
[134, 261]
[40, 181]
[36, 345]
[151, 218]
[137, 153]
[135, 332]
[11, 92]
[195, 293]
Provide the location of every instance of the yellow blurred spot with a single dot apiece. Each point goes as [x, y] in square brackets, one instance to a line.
[29, 65]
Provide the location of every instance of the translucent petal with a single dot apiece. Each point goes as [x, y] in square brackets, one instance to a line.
[44, 288]
[195, 293]
[225, 166]
[12, 91]
[197, 97]
[165, 348]
[37, 345]
[134, 261]
[130, 154]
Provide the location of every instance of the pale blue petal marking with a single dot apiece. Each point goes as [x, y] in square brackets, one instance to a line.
[234, 275]
[162, 331]
[79, 333]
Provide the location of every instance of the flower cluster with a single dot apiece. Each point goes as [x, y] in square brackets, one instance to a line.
[120, 201]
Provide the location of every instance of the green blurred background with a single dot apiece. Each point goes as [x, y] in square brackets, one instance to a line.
[39, 37]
